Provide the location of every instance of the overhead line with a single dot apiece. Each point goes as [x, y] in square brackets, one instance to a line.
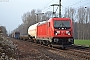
[47, 8]
[77, 3]
[46, 5]
[87, 3]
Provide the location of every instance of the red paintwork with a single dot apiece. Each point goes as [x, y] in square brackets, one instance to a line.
[44, 31]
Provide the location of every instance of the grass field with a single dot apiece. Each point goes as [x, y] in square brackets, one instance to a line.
[82, 42]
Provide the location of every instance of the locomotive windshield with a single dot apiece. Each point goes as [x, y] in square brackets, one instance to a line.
[62, 24]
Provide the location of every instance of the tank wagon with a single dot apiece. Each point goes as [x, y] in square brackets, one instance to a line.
[32, 31]
[55, 31]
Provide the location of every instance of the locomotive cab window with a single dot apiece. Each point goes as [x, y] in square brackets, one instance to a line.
[59, 24]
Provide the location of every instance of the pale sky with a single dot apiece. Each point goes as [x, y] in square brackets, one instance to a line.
[12, 10]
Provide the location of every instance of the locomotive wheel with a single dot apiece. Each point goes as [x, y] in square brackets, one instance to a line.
[50, 45]
[47, 43]
[41, 42]
[37, 42]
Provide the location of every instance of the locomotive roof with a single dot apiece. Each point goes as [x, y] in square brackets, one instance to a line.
[60, 18]
[39, 23]
[34, 25]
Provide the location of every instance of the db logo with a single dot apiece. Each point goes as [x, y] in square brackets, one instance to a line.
[62, 32]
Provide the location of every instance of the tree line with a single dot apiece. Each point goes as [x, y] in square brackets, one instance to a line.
[80, 18]
[81, 21]
[3, 31]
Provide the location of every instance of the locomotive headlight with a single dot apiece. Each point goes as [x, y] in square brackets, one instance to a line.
[58, 32]
[68, 32]
[55, 33]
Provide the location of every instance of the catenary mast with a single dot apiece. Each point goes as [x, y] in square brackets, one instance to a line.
[60, 8]
[59, 5]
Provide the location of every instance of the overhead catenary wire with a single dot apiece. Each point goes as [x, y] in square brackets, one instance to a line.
[67, 6]
[86, 3]
[47, 7]
[47, 4]
[77, 3]
[81, 1]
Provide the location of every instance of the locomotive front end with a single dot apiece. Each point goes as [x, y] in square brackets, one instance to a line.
[63, 32]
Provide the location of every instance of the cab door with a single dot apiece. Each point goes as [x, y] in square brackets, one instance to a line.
[49, 33]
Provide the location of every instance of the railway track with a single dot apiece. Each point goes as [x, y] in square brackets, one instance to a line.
[32, 51]
[73, 54]
[79, 53]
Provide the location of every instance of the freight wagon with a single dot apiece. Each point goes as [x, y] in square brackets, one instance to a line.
[23, 37]
[15, 35]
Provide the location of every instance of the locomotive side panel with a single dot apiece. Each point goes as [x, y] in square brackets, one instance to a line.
[42, 31]
[46, 30]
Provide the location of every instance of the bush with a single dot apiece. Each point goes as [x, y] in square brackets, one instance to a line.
[8, 50]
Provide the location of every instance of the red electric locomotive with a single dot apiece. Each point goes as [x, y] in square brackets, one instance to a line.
[55, 31]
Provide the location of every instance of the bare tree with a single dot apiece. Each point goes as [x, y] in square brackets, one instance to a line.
[3, 30]
[83, 18]
[70, 12]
